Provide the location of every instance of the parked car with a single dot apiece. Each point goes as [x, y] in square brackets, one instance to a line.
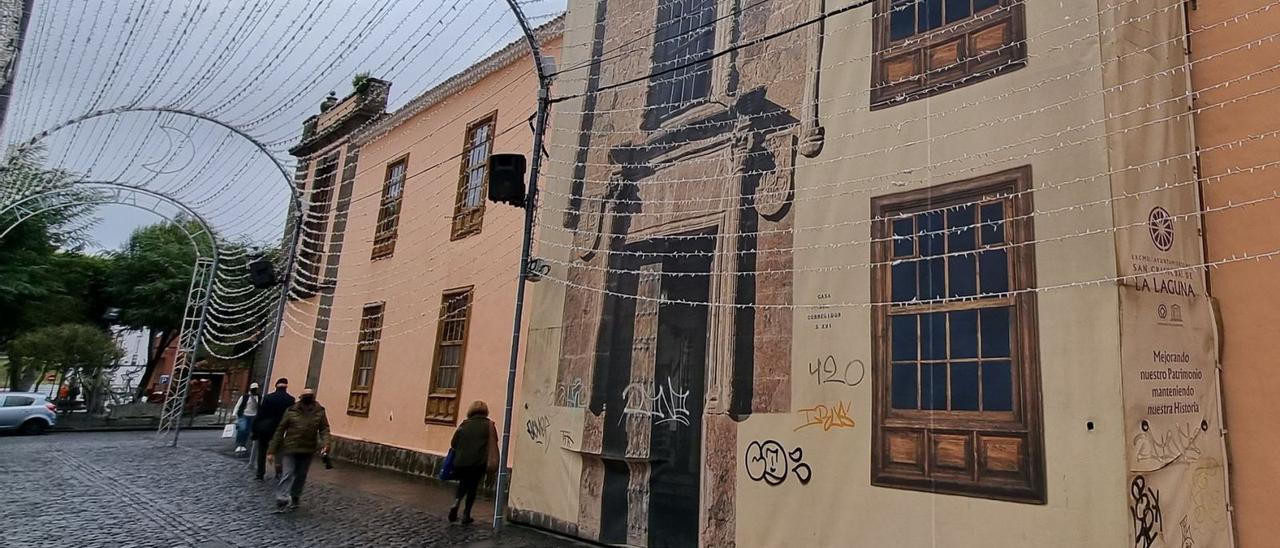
[27, 412]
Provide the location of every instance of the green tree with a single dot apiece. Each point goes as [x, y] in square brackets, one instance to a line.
[32, 264]
[149, 281]
[82, 353]
[79, 291]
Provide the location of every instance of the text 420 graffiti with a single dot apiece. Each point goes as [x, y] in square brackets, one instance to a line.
[828, 370]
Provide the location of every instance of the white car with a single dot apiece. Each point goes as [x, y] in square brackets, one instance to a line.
[27, 412]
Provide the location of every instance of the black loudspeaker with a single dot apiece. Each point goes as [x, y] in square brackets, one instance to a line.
[261, 274]
[506, 179]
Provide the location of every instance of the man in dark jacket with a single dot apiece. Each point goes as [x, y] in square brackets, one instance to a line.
[265, 423]
[303, 431]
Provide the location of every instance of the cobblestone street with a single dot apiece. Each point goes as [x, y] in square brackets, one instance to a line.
[125, 490]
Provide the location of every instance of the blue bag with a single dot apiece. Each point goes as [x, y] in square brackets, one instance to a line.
[446, 470]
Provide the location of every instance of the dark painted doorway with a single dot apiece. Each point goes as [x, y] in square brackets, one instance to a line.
[680, 380]
[678, 389]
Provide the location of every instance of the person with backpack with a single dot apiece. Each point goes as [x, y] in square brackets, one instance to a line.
[245, 410]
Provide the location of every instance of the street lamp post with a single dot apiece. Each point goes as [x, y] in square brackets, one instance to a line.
[530, 207]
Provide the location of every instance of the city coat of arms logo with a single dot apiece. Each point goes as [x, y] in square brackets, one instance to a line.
[1160, 225]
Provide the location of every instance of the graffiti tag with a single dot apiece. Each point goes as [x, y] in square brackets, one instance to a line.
[566, 438]
[570, 395]
[828, 370]
[769, 462]
[666, 405]
[1145, 511]
[1207, 492]
[1178, 441]
[836, 416]
[537, 429]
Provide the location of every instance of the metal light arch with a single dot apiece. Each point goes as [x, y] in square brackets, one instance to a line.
[296, 209]
[191, 332]
[284, 172]
[113, 193]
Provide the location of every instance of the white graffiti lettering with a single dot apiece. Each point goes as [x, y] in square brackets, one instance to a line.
[666, 405]
[570, 394]
[1179, 441]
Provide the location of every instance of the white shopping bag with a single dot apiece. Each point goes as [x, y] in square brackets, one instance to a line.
[229, 430]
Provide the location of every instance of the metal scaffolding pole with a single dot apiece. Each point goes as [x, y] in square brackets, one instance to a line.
[189, 337]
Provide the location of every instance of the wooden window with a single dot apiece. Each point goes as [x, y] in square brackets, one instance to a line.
[926, 47]
[384, 236]
[316, 226]
[468, 211]
[450, 356]
[684, 40]
[366, 360]
[956, 367]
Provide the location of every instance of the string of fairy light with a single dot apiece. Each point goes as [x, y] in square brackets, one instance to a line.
[124, 137]
[694, 160]
[834, 184]
[436, 183]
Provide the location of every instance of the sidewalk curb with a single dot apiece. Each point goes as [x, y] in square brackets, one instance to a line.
[62, 430]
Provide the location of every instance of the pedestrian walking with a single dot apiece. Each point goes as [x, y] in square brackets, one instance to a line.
[475, 452]
[302, 433]
[246, 410]
[264, 425]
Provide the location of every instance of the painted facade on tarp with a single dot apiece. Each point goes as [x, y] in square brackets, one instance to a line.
[868, 281]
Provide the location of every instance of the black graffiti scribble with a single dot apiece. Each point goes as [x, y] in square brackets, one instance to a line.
[1145, 511]
[769, 462]
[566, 437]
[537, 429]
[1187, 540]
[828, 370]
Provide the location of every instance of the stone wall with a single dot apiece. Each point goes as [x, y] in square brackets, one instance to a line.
[407, 461]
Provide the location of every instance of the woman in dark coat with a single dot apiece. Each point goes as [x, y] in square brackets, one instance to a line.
[475, 452]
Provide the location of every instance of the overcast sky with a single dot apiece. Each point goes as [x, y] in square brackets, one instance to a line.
[260, 65]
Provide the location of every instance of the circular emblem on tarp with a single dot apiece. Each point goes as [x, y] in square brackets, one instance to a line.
[1160, 224]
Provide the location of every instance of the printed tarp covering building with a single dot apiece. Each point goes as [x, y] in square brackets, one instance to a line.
[854, 274]
[1172, 421]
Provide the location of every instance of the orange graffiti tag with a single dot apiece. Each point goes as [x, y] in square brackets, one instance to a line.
[827, 417]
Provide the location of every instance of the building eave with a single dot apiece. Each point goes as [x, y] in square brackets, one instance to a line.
[509, 54]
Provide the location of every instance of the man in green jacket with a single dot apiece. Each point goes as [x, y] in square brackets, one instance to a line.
[303, 430]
